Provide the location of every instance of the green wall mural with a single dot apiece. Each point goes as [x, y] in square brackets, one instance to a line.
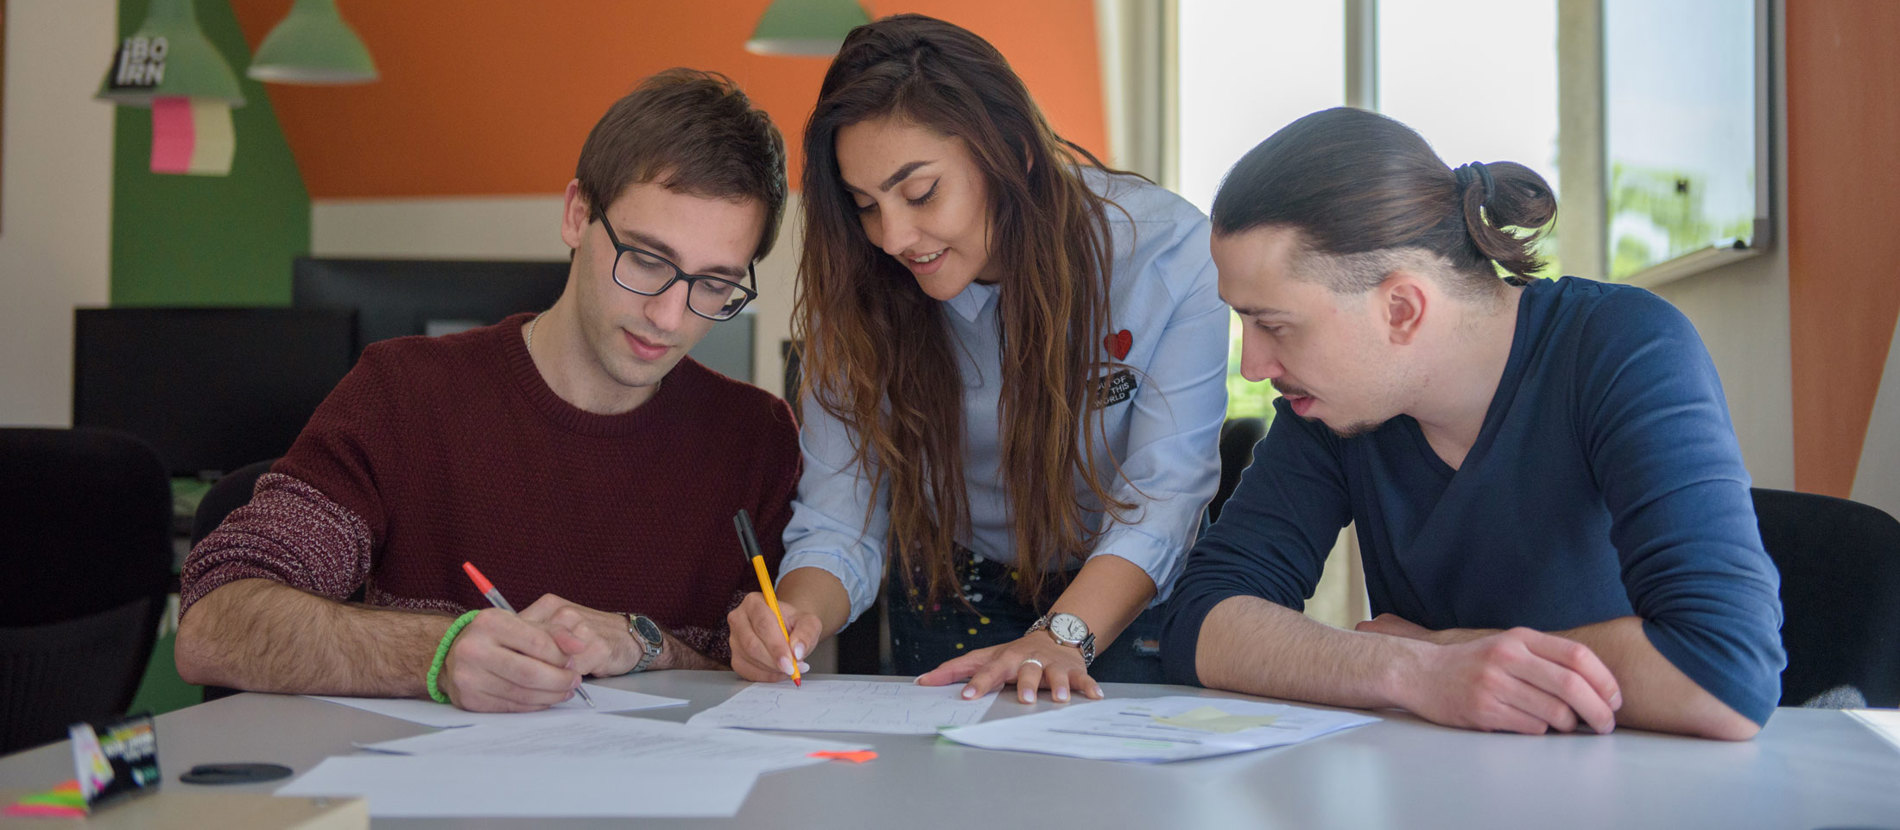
[207, 240]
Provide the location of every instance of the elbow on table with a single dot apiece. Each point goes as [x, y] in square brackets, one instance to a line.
[194, 654]
[1725, 724]
[1708, 718]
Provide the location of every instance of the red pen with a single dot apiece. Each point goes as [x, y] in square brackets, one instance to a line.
[494, 598]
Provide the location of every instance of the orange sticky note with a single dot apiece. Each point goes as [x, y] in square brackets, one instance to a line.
[858, 756]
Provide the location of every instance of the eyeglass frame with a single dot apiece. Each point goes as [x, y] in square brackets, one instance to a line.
[679, 273]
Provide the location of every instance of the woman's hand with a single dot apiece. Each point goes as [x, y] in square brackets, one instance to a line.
[759, 649]
[1031, 663]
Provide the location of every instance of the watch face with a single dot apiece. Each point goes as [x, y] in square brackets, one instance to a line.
[648, 630]
[1068, 628]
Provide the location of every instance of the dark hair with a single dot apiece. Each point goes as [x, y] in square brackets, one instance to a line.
[876, 353]
[699, 132]
[1356, 182]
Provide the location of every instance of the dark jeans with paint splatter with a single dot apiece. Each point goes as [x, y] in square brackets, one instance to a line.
[923, 637]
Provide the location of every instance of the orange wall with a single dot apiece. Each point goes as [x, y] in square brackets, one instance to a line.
[1843, 254]
[493, 97]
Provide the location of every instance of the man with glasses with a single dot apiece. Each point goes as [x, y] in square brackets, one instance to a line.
[576, 457]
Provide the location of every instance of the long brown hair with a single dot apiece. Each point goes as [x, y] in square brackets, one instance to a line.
[877, 355]
[1359, 183]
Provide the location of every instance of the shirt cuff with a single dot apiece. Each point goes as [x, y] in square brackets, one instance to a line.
[1747, 680]
[1181, 634]
[1160, 559]
[861, 590]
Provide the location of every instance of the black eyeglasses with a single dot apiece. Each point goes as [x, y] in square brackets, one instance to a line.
[648, 274]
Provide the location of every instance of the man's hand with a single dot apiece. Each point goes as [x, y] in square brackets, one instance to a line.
[607, 649]
[504, 663]
[1032, 662]
[759, 651]
[1514, 681]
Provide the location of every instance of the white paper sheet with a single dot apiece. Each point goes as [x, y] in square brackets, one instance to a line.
[1157, 729]
[1884, 722]
[891, 708]
[409, 787]
[656, 741]
[431, 713]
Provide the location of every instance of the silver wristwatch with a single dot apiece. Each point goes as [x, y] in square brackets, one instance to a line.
[1069, 630]
[647, 633]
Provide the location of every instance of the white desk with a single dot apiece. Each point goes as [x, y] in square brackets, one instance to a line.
[1808, 769]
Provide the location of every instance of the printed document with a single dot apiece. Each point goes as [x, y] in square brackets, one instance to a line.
[1883, 722]
[886, 707]
[431, 713]
[1157, 729]
[627, 738]
[410, 787]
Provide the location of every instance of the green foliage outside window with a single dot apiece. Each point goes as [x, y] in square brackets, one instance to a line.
[1245, 399]
[1668, 203]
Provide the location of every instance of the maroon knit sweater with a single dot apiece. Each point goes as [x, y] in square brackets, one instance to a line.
[433, 451]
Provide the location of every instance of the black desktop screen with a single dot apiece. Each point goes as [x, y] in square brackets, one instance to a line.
[399, 297]
[212, 389]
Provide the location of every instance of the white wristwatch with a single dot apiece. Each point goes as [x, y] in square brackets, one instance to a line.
[1069, 630]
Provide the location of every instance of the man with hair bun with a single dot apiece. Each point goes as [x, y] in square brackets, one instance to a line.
[1551, 506]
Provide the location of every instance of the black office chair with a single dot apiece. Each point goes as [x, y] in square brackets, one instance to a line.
[229, 493]
[1840, 596]
[1237, 437]
[86, 549]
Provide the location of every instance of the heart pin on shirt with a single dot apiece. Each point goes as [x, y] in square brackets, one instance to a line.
[1118, 343]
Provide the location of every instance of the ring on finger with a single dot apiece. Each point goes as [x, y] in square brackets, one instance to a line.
[1035, 660]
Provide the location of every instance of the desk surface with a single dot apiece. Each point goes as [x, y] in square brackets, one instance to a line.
[1807, 769]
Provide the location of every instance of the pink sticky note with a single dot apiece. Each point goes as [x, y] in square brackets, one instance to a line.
[172, 135]
[45, 811]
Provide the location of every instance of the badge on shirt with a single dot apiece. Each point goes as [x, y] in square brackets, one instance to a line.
[1115, 388]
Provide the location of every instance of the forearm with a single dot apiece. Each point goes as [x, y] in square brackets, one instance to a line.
[676, 654]
[1248, 644]
[1656, 694]
[819, 593]
[265, 636]
[1107, 593]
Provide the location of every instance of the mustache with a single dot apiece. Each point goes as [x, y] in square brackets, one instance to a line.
[1288, 390]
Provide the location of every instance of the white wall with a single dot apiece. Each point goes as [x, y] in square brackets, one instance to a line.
[1877, 479]
[55, 197]
[1741, 310]
[529, 228]
[484, 227]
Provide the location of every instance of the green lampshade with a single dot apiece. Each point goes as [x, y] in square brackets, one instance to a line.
[169, 56]
[805, 27]
[313, 46]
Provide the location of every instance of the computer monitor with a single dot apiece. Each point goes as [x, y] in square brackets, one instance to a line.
[212, 389]
[401, 297]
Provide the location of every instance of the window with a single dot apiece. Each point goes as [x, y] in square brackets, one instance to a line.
[1477, 78]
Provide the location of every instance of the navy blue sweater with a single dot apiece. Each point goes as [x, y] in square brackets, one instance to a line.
[1605, 481]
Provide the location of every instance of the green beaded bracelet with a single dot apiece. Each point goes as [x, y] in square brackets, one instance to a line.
[442, 653]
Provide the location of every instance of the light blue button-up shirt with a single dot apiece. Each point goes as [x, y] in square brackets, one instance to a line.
[1164, 434]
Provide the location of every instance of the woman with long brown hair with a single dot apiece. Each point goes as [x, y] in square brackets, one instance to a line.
[1015, 369]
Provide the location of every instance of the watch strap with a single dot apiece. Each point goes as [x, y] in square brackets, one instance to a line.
[652, 650]
[1087, 646]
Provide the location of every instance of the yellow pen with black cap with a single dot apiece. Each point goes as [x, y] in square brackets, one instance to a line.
[749, 547]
